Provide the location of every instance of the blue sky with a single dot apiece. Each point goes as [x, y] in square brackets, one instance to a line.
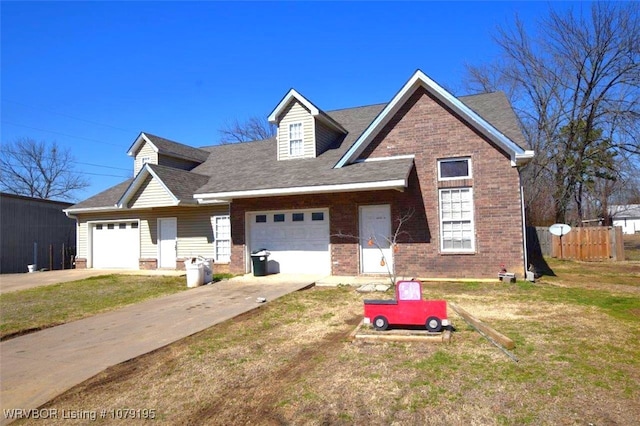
[92, 75]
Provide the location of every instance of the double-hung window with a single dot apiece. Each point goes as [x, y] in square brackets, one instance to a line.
[456, 220]
[457, 234]
[295, 140]
[222, 238]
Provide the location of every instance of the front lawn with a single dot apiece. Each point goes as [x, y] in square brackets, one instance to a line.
[41, 307]
[291, 362]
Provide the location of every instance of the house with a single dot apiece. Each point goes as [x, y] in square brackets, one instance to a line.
[34, 232]
[327, 193]
[626, 216]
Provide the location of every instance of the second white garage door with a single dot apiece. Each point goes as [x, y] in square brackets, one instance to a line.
[298, 240]
[115, 245]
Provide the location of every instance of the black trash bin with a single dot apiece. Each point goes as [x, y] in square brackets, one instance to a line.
[259, 260]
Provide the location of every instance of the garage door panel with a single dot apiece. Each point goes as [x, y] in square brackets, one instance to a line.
[300, 246]
[115, 245]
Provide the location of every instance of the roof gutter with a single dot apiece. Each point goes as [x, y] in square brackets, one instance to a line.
[397, 184]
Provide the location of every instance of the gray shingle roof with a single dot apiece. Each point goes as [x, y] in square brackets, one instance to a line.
[254, 165]
[182, 183]
[496, 109]
[176, 149]
[107, 198]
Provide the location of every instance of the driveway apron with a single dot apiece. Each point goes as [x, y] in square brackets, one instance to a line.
[37, 367]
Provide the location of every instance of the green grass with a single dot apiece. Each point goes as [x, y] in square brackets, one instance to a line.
[47, 306]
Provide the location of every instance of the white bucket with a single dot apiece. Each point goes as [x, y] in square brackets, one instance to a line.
[31, 268]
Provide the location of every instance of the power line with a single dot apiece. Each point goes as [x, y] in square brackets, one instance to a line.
[62, 134]
[67, 115]
[24, 154]
[82, 173]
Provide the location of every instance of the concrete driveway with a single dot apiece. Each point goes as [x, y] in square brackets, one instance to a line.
[15, 282]
[37, 367]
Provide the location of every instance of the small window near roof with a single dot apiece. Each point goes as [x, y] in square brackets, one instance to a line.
[99, 226]
[454, 168]
[295, 140]
[317, 216]
[298, 217]
[110, 226]
[134, 225]
[278, 217]
[145, 160]
[122, 226]
[261, 218]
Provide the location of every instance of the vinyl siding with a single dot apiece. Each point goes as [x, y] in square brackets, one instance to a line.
[324, 137]
[151, 194]
[296, 113]
[146, 150]
[195, 229]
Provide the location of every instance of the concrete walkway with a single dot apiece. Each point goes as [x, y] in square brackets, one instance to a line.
[37, 367]
[15, 282]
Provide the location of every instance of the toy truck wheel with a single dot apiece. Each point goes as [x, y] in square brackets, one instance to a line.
[433, 324]
[380, 323]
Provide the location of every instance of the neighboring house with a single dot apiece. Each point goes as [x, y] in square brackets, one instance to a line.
[324, 193]
[627, 216]
[34, 231]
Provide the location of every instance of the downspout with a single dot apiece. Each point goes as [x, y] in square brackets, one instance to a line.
[524, 225]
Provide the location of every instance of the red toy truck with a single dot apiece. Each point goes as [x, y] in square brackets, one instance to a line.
[407, 308]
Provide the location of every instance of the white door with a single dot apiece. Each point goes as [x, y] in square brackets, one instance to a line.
[115, 245]
[298, 240]
[167, 242]
[376, 255]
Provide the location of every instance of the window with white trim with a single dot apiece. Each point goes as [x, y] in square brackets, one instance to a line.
[145, 160]
[456, 220]
[454, 168]
[222, 238]
[295, 140]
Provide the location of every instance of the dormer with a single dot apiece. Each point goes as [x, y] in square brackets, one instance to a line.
[304, 131]
[151, 149]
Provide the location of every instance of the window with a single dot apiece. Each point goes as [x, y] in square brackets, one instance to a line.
[134, 225]
[456, 220]
[145, 160]
[261, 218]
[99, 226]
[110, 226]
[317, 216]
[278, 217]
[298, 217]
[454, 168]
[122, 226]
[222, 236]
[295, 140]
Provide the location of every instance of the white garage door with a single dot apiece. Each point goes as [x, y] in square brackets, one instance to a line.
[298, 240]
[116, 245]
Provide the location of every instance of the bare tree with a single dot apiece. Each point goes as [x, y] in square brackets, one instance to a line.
[575, 84]
[254, 129]
[39, 169]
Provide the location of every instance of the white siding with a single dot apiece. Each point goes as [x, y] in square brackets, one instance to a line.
[296, 113]
[145, 150]
[195, 229]
[151, 194]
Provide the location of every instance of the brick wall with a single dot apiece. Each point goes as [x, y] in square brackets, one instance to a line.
[428, 130]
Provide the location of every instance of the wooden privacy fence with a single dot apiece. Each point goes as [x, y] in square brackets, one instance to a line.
[596, 243]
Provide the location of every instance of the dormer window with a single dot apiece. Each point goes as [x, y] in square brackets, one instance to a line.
[295, 140]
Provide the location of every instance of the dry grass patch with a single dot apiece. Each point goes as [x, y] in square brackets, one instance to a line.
[290, 362]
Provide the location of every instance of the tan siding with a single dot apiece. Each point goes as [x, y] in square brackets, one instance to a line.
[195, 231]
[151, 194]
[296, 113]
[146, 150]
[176, 163]
[324, 137]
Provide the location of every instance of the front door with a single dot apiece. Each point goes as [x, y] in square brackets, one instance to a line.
[167, 241]
[376, 255]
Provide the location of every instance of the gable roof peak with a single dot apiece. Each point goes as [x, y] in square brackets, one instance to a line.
[420, 79]
[293, 95]
[168, 147]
